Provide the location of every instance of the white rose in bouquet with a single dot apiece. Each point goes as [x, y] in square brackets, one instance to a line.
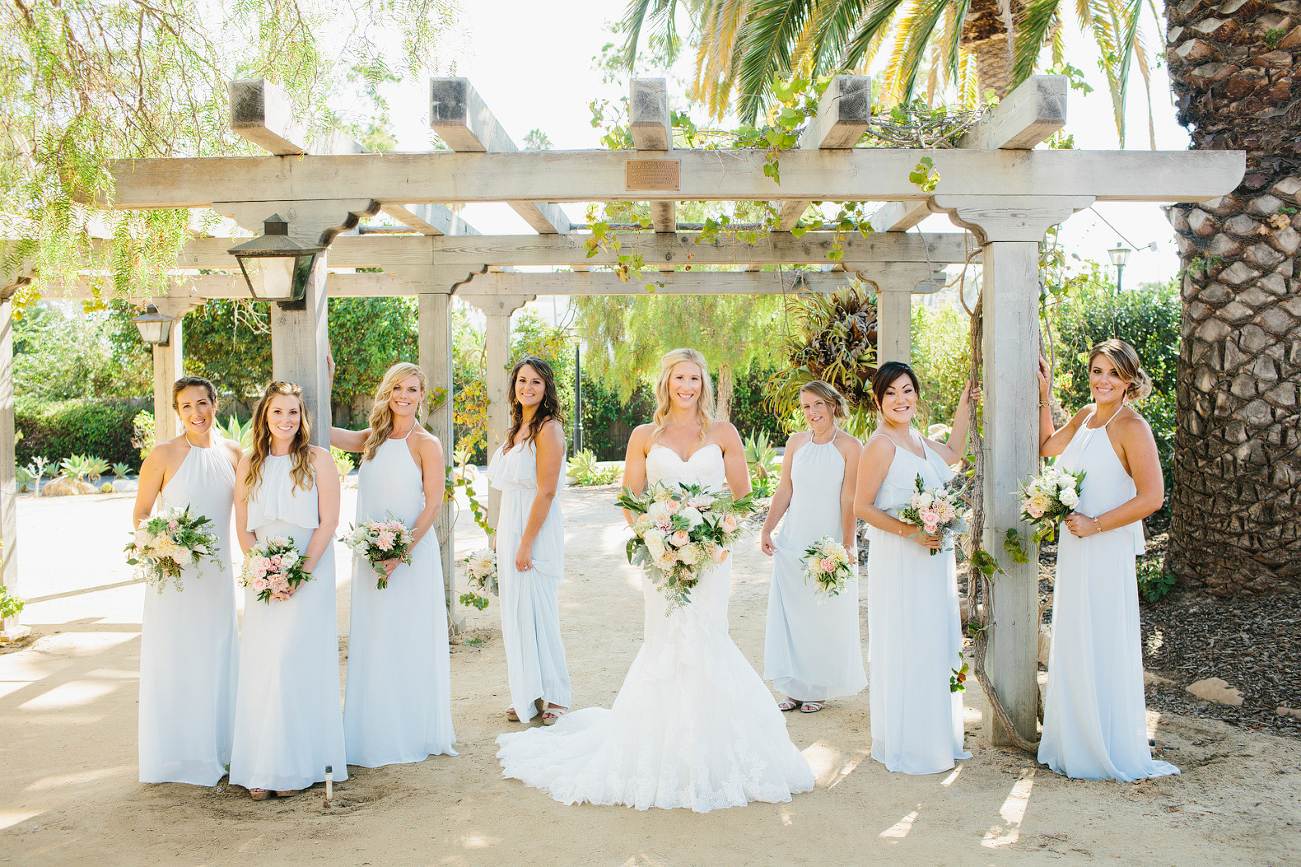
[1069, 498]
[693, 516]
[659, 513]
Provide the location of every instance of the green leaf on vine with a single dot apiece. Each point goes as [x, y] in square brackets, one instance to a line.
[924, 177]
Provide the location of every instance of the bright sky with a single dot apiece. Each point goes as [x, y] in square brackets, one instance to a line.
[536, 69]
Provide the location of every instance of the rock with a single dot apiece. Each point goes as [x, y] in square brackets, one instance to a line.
[1284, 710]
[65, 487]
[1153, 679]
[1045, 643]
[1216, 690]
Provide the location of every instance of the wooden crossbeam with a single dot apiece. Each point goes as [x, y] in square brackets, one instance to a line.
[1023, 118]
[197, 288]
[261, 112]
[372, 251]
[860, 174]
[429, 219]
[461, 118]
[898, 216]
[652, 130]
[843, 114]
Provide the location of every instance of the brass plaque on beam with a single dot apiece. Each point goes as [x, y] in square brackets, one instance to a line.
[652, 174]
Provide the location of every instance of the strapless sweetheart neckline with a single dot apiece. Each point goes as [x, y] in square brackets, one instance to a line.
[693, 454]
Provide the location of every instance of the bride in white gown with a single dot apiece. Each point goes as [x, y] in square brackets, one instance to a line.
[693, 725]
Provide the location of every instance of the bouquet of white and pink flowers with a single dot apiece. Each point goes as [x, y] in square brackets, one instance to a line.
[935, 511]
[378, 541]
[273, 566]
[1049, 497]
[169, 541]
[827, 565]
[680, 531]
[481, 567]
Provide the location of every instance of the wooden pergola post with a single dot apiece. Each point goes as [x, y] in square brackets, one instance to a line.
[169, 366]
[1010, 232]
[896, 287]
[10, 628]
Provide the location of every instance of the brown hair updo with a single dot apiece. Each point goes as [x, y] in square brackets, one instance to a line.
[885, 376]
[827, 391]
[1138, 384]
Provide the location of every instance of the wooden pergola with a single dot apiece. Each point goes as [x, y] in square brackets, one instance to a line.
[995, 185]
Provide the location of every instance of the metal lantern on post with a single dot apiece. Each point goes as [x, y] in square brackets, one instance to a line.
[155, 328]
[284, 276]
[1119, 256]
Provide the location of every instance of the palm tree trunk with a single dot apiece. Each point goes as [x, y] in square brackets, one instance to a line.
[1235, 526]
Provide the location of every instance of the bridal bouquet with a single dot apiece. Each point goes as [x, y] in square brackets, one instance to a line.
[679, 532]
[167, 542]
[273, 566]
[827, 565]
[378, 541]
[934, 510]
[1049, 497]
[481, 567]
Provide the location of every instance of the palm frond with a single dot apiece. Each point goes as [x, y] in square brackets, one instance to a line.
[766, 44]
[636, 18]
[918, 26]
[719, 52]
[957, 13]
[1036, 23]
[838, 20]
[857, 47]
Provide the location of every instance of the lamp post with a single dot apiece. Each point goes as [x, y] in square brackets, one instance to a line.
[155, 328]
[1119, 255]
[285, 264]
[578, 396]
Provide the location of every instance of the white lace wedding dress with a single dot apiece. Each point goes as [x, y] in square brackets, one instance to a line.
[693, 725]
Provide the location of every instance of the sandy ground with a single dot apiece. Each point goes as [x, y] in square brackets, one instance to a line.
[68, 704]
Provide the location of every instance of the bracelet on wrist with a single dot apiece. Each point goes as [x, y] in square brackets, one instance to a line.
[1097, 523]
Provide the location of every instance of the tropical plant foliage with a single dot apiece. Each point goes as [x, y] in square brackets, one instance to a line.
[832, 338]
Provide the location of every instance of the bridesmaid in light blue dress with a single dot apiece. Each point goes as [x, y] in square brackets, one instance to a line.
[398, 705]
[288, 722]
[913, 625]
[812, 649]
[530, 545]
[1095, 718]
[189, 645]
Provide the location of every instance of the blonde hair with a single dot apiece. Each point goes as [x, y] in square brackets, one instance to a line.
[1138, 384]
[381, 414]
[303, 475]
[827, 391]
[704, 403]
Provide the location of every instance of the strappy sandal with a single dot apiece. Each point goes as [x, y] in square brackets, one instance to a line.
[259, 794]
[552, 715]
[787, 704]
[811, 706]
[511, 715]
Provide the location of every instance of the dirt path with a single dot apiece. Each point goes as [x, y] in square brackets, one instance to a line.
[68, 727]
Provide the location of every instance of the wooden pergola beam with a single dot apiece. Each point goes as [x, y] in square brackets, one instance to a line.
[898, 216]
[197, 288]
[1023, 118]
[652, 130]
[377, 251]
[461, 118]
[843, 114]
[429, 219]
[859, 174]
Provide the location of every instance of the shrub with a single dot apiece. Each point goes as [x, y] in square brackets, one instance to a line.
[57, 431]
[586, 471]
[10, 605]
[765, 466]
[144, 433]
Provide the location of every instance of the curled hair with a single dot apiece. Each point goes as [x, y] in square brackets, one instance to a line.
[827, 391]
[548, 409]
[192, 382]
[704, 403]
[1138, 384]
[381, 414]
[303, 475]
[886, 375]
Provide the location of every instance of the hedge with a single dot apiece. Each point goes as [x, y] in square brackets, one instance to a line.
[101, 428]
